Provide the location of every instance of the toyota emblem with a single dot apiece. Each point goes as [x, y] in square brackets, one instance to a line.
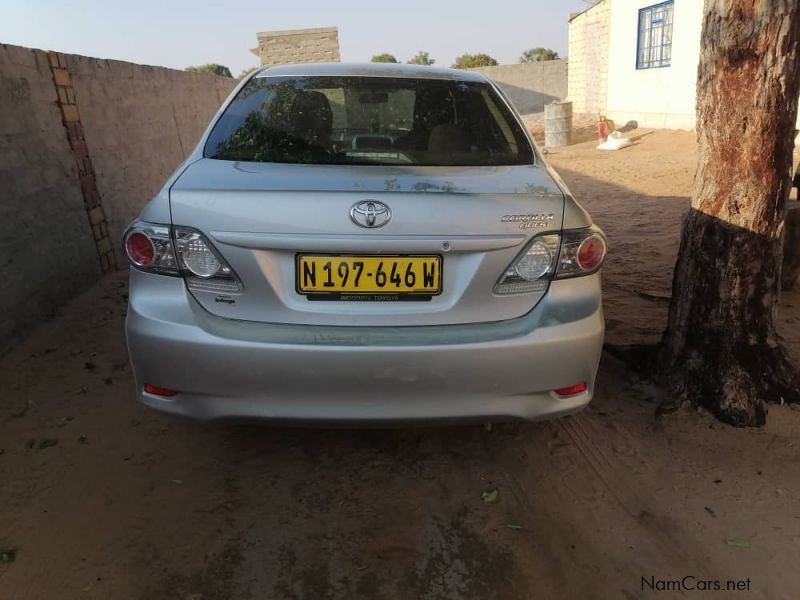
[370, 213]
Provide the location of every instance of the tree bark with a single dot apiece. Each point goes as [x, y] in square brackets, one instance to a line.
[720, 348]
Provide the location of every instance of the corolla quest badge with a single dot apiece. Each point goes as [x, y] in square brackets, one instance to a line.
[370, 213]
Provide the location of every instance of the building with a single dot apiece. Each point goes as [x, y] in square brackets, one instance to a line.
[298, 46]
[636, 60]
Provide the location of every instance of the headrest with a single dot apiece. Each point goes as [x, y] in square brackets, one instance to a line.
[448, 138]
[310, 116]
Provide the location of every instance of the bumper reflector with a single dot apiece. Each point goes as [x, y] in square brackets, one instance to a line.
[159, 391]
[578, 388]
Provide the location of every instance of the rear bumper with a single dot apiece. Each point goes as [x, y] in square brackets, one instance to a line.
[239, 370]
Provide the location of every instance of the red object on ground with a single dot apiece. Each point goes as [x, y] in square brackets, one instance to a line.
[601, 128]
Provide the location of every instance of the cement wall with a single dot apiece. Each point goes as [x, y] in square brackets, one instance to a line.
[47, 252]
[140, 122]
[79, 138]
[662, 97]
[290, 46]
[530, 85]
[588, 58]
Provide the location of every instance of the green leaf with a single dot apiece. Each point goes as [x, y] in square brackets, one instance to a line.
[8, 555]
[491, 496]
[739, 543]
[46, 443]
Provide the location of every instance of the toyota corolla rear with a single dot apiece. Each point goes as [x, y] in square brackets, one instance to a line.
[365, 244]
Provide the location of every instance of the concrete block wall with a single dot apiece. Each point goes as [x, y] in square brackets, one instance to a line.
[298, 46]
[47, 251]
[588, 58]
[530, 85]
[140, 122]
[84, 144]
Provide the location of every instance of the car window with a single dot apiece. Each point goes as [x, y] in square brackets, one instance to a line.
[368, 120]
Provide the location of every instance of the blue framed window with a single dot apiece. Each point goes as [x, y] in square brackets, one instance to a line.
[654, 46]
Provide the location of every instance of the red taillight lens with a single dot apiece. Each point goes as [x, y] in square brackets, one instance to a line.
[591, 252]
[140, 249]
[578, 388]
[159, 391]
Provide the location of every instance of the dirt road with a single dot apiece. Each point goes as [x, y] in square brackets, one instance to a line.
[101, 498]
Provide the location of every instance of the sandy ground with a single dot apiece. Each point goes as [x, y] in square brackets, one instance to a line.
[103, 499]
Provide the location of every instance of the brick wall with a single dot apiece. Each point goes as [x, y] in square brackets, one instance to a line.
[84, 144]
[588, 58]
[71, 118]
[298, 46]
[47, 251]
[531, 85]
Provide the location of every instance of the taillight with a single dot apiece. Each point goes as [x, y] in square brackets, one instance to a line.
[180, 251]
[149, 248]
[531, 270]
[573, 253]
[140, 249]
[582, 252]
[591, 253]
[203, 267]
[199, 259]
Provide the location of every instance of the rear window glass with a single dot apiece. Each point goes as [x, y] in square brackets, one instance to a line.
[368, 120]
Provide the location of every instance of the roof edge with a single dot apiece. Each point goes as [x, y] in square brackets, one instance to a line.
[283, 32]
[575, 15]
[370, 69]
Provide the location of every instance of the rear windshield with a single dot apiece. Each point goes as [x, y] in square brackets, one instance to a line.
[368, 120]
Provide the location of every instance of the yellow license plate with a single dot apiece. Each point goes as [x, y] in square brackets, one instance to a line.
[388, 276]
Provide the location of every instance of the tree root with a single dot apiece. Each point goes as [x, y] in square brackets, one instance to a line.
[734, 387]
[642, 358]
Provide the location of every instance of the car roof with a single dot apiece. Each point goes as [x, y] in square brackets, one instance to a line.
[369, 70]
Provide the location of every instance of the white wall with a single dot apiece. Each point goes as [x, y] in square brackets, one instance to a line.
[662, 97]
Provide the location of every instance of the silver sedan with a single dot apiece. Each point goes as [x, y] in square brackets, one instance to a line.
[365, 244]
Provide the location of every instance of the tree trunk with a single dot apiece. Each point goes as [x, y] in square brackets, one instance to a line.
[720, 347]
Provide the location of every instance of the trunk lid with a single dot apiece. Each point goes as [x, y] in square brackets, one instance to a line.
[260, 216]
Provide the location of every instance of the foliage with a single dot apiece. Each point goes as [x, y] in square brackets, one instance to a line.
[538, 54]
[246, 72]
[249, 143]
[212, 69]
[470, 61]
[421, 58]
[256, 141]
[384, 58]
